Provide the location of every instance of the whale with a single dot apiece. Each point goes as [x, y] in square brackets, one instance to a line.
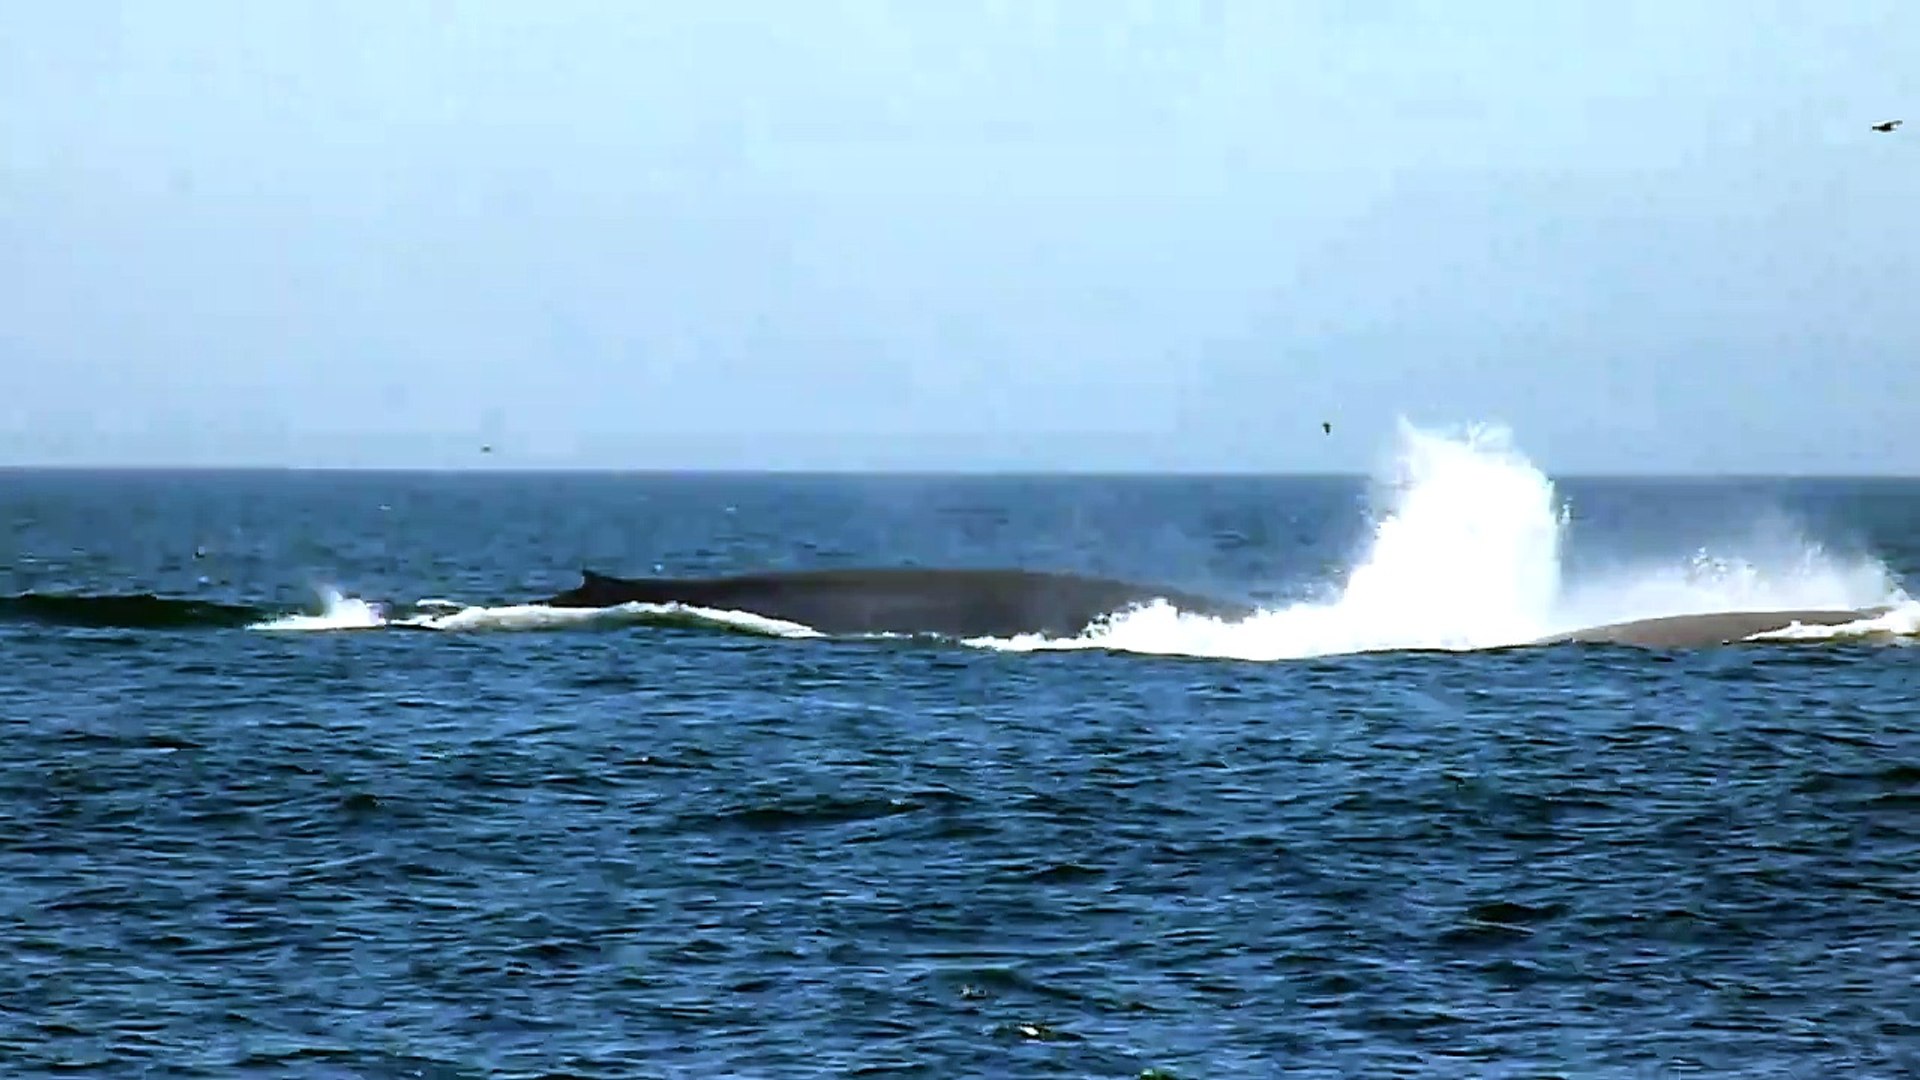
[1003, 603]
[1708, 629]
[952, 602]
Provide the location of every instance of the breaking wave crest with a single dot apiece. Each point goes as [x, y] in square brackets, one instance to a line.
[1467, 553]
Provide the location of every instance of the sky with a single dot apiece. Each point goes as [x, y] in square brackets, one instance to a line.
[1649, 237]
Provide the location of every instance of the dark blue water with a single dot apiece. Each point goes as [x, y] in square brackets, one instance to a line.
[671, 850]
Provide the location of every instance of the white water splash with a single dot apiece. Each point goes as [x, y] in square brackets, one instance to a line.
[541, 617]
[338, 612]
[341, 612]
[1807, 579]
[1467, 555]
[1901, 622]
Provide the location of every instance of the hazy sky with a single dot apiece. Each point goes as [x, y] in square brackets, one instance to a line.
[1649, 236]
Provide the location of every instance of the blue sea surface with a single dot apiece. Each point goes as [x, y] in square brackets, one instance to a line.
[672, 849]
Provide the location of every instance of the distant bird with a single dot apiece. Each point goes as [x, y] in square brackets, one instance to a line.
[1326, 426]
[488, 449]
[1886, 125]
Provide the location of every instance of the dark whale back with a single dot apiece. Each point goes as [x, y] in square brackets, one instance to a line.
[952, 602]
[1718, 628]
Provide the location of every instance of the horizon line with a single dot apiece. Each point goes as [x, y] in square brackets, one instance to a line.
[902, 472]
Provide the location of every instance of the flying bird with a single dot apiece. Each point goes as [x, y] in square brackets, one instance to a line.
[1326, 427]
[1886, 125]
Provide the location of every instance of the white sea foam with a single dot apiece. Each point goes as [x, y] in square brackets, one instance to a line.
[341, 612]
[1900, 622]
[338, 612]
[541, 617]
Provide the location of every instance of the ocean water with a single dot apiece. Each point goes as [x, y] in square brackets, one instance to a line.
[298, 783]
